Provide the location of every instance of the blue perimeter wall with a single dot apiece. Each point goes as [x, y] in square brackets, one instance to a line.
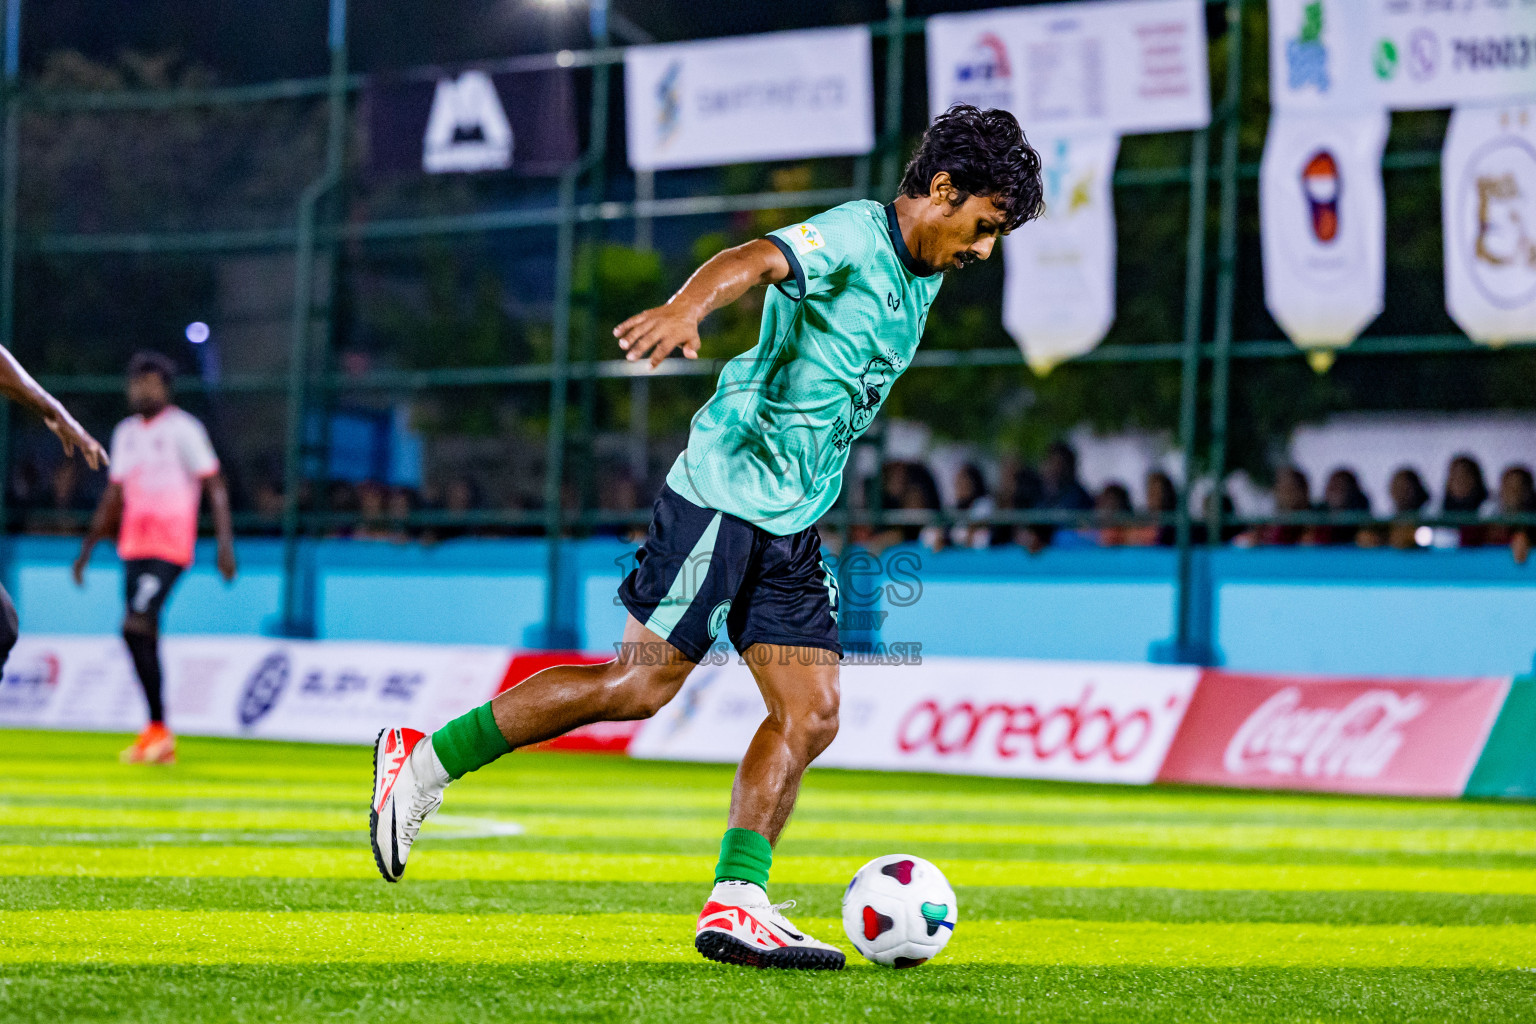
[1440, 613]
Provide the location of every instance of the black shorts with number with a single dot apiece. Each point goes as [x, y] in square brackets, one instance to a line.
[702, 572]
[147, 582]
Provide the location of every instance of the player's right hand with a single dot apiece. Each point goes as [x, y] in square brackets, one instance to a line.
[72, 435]
[659, 331]
[79, 569]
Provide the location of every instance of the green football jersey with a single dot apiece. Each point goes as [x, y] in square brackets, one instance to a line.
[770, 445]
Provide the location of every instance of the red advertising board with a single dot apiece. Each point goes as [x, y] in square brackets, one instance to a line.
[599, 737]
[1406, 737]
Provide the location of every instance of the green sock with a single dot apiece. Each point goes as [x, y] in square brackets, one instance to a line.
[470, 741]
[745, 856]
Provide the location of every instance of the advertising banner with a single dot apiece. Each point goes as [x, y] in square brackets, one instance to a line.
[330, 692]
[1322, 213]
[974, 716]
[1400, 54]
[1059, 276]
[1428, 54]
[521, 121]
[1488, 205]
[1093, 67]
[1315, 49]
[1401, 737]
[780, 96]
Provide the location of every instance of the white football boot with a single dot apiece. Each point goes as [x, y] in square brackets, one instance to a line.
[739, 926]
[408, 784]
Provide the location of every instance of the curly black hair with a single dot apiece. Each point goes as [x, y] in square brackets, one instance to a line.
[986, 154]
[153, 362]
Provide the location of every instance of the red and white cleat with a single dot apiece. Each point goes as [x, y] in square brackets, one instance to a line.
[408, 783]
[739, 926]
[155, 745]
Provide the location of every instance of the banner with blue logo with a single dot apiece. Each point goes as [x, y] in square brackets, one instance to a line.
[1400, 54]
[1086, 68]
[780, 96]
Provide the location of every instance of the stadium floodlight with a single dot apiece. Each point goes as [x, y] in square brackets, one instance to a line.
[197, 332]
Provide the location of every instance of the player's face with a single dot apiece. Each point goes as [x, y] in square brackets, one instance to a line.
[968, 232]
[147, 393]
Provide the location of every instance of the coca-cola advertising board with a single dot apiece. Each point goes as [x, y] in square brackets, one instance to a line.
[1079, 721]
[1405, 737]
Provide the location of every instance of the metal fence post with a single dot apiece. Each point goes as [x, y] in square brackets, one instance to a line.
[895, 74]
[9, 170]
[296, 617]
[555, 635]
[1189, 394]
[1226, 267]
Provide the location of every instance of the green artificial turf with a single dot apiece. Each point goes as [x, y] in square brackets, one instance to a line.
[238, 885]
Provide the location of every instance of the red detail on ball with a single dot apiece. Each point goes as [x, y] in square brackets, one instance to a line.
[901, 871]
[875, 923]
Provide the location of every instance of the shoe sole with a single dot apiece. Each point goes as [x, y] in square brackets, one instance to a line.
[727, 949]
[373, 815]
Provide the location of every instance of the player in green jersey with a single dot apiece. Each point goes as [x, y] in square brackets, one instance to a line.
[733, 546]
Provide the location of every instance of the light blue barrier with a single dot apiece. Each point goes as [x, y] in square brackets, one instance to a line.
[1296, 610]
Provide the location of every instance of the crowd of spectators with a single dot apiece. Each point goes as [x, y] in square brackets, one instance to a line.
[1055, 507]
[1108, 518]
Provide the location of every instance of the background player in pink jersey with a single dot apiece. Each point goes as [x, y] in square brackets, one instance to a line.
[162, 462]
[18, 385]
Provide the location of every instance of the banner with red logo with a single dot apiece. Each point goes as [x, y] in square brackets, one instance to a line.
[1078, 721]
[1322, 212]
[1403, 737]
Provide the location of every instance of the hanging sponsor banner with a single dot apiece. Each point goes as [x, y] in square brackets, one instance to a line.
[1427, 54]
[330, 692]
[521, 121]
[1322, 212]
[1059, 273]
[1401, 737]
[1400, 54]
[974, 716]
[1123, 66]
[780, 96]
[1314, 55]
[1488, 206]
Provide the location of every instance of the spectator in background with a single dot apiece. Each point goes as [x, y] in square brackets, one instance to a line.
[1162, 500]
[1021, 492]
[922, 495]
[1060, 491]
[372, 520]
[1465, 493]
[461, 495]
[617, 494]
[1517, 497]
[402, 504]
[1408, 496]
[64, 500]
[269, 505]
[1293, 493]
[1110, 510]
[975, 506]
[1341, 493]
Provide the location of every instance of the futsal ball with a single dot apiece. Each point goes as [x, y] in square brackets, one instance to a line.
[899, 910]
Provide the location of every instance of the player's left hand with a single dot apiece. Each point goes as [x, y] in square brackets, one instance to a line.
[659, 331]
[227, 566]
[72, 435]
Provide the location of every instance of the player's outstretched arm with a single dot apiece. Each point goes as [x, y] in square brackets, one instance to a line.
[721, 281]
[109, 511]
[218, 500]
[17, 385]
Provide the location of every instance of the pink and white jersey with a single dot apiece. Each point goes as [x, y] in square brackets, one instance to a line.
[161, 463]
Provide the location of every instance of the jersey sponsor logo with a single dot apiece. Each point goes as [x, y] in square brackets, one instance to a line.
[805, 238]
[870, 391]
[717, 618]
[892, 300]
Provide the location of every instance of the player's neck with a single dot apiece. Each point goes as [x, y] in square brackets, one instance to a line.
[909, 220]
[150, 415]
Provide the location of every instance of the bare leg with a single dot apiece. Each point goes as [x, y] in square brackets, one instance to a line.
[648, 673]
[799, 685]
